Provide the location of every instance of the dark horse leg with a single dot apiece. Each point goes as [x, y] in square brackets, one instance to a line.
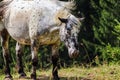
[19, 53]
[55, 57]
[6, 55]
[34, 50]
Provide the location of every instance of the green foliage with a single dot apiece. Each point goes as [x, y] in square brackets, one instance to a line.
[110, 54]
[98, 27]
[117, 30]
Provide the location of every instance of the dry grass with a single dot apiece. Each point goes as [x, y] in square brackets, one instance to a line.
[103, 72]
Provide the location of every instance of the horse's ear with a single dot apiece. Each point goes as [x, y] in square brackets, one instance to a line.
[63, 20]
[81, 19]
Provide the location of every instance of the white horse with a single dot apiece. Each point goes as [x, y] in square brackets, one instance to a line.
[36, 23]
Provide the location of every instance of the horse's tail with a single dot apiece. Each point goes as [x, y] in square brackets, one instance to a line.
[3, 5]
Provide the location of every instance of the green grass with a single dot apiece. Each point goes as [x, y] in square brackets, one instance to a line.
[103, 72]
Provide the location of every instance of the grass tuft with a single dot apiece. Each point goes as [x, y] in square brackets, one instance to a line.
[103, 72]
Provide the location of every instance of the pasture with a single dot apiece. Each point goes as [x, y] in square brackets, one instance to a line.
[103, 72]
[98, 40]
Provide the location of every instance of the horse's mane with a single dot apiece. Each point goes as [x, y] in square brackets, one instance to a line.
[69, 5]
[65, 10]
[75, 21]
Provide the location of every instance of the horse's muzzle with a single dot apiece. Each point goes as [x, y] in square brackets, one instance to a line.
[74, 54]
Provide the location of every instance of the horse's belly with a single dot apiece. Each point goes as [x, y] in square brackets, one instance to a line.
[49, 38]
[20, 34]
[44, 39]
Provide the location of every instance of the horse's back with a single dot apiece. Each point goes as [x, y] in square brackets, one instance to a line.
[29, 18]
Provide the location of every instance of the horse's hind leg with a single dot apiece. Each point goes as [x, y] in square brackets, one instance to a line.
[6, 55]
[19, 53]
[55, 57]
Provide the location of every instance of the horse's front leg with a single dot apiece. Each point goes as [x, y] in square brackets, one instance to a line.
[34, 51]
[19, 54]
[6, 55]
[55, 57]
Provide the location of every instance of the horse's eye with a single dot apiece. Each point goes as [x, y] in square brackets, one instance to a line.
[73, 39]
[69, 27]
[69, 32]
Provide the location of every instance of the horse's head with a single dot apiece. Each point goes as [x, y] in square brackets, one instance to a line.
[69, 34]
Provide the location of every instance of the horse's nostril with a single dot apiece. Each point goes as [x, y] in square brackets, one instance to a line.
[74, 54]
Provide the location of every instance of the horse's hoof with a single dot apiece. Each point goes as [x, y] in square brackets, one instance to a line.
[33, 76]
[56, 78]
[22, 75]
[8, 77]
